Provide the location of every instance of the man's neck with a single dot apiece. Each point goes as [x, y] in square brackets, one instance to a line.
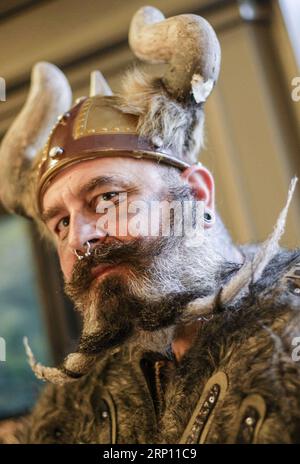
[185, 336]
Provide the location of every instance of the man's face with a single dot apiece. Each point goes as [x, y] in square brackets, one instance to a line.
[131, 285]
[70, 203]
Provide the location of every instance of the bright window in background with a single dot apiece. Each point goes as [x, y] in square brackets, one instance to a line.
[20, 315]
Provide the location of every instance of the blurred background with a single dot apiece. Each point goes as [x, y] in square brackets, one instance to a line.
[252, 143]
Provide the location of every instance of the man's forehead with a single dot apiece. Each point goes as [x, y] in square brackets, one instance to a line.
[86, 186]
[77, 176]
[84, 177]
[84, 189]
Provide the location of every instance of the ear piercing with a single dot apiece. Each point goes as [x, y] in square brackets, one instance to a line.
[208, 217]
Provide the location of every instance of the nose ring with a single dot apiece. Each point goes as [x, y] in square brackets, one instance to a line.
[88, 249]
[86, 254]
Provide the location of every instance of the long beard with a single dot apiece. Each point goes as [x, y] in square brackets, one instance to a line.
[143, 304]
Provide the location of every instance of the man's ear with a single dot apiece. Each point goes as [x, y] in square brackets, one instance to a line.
[203, 185]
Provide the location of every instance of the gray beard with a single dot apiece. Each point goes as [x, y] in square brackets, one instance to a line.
[144, 307]
[141, 308]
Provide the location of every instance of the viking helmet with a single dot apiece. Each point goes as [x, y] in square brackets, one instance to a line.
[157, 118]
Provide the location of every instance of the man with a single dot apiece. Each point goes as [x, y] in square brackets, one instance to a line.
[186, 338]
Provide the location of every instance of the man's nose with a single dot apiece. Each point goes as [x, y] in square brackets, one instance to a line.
[84, 235]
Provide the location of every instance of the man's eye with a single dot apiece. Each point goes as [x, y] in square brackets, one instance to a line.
[107, 196]
[63, 224]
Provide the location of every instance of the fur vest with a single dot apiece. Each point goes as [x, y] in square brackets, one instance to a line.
[238, 383]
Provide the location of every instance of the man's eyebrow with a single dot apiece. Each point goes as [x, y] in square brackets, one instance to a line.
[51, 213]
[91, 185]
[101, 181]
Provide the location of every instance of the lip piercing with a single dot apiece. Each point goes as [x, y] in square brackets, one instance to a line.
[86, 254]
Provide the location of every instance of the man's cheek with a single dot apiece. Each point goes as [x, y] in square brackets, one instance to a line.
[67, 263]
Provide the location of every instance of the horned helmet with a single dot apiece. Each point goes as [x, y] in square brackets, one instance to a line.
[158, 118]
